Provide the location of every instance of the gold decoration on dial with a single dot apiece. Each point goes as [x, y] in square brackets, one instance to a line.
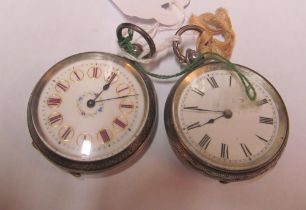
[105, 135]
[126, 106]
[83, 137]
[76, 75]
[79, 122]
[55, 119]
[62, 86]
[111, 75]
[66, 133]
[120, 123]
[94, 72]
[123, 89]
[84, 140]
[54, 101]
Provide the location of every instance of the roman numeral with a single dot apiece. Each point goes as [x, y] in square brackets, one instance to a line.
[128, 106]
[205, 141]
[84, 141]
[197, 91]
[224, 151]
[262, 139]
[66, 133]
[262, 102]
[77, 76]
[54, 101]
[111, 77]
[62, 87]
[194, 125]
[230, 81]
[212, 82]
[266, 120]
[122, 89]
[56, 119]
[94, 72]
[119, 123]
[246, 150]
[105, 136]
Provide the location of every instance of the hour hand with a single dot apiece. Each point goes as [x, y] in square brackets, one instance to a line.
[226, 114]
[196, 108]
[211, 121]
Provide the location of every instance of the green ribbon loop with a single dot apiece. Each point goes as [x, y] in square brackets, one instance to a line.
[248, 87]
[199, 61]
[126, 43]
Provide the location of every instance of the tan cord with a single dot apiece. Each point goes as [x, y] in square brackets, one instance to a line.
[215, 25]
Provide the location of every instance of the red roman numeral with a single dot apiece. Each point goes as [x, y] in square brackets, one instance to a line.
[66, 133]
[95, 72]
[112, 77]
[76, 74]
[104, 135]
[54, 101]
[128, 106]
[62, 86]
[120, 123]
[122, 89]
[55, 119]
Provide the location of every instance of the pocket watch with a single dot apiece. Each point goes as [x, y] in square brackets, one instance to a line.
[92, 111]
[214, 128]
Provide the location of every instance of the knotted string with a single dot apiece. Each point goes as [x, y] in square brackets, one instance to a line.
[126, 44]
[215, 26]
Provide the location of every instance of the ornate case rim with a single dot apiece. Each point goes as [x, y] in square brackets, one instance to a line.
[192, 160]
[139, 145]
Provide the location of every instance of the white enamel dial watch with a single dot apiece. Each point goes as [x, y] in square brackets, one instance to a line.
[92, 111]
[216, 129]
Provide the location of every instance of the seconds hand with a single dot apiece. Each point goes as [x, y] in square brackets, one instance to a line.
[92, 102]
[108, 99]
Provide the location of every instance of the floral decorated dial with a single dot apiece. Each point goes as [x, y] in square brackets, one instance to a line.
[91, 110]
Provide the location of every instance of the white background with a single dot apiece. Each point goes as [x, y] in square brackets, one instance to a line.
[36, 34]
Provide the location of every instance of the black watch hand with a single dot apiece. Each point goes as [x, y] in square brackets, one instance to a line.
[196, 108]
[106, 86]
[211, 121]
[108, 99]
[92, 102]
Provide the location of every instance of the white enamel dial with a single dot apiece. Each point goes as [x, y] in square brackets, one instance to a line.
[91, 109]
[217, 123]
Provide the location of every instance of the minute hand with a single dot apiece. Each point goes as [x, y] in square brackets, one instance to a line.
[196, 108]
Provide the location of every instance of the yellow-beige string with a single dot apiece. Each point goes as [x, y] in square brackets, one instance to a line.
[215, 25]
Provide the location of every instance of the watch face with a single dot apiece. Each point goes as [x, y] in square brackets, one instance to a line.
[90, 107]
[221, 127]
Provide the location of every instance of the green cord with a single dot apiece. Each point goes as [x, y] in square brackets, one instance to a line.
[199, 61]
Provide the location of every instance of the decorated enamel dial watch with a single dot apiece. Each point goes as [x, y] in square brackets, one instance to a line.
[215, 129]
[92, 111]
